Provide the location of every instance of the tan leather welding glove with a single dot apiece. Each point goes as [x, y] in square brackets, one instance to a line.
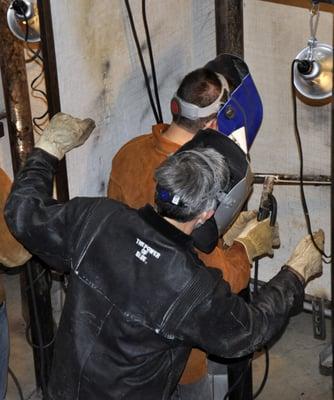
[238, 226]
[64, 133]
[258, 238]
[306, 260]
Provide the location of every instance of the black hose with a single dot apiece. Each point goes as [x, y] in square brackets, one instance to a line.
[38, 331]
[154, 75]
[266, 372]
[239, 380]
[33, 86]
[141, 59]
[17, 383]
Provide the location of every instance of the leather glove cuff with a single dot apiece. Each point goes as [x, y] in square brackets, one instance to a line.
[299, 276]
[50, 147]
[249, 247]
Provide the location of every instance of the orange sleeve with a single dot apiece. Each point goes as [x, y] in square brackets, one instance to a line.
[114, 190]
[233, 262]
[12, 253]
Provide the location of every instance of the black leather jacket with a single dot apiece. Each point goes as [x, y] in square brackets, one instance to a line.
[138, 297]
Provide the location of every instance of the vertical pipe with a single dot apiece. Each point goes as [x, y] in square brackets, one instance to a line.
[51, 83]
[16, 94]
[332, 222]
[229, 27]
[230, 39]
[34, 286]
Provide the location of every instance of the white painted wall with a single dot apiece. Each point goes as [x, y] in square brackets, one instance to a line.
[100, 74]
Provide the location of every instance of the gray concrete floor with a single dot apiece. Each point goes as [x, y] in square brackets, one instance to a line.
[294, 365]
[293, 374]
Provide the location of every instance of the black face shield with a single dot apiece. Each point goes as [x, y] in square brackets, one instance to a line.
[232, 199]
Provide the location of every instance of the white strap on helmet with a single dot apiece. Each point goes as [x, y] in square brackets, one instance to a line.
[193, 112]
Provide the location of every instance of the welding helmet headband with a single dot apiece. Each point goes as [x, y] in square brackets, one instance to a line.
[241, 115]
[232, 199]
[193, 112]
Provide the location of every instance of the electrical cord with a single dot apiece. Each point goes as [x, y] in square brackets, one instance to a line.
[48, 279]
[35, 346]
[266, 373]
[301, 168]
[17, 383]
[38, 332]
[142, 63]
[238, 381]
[149, 45]
[34, 85]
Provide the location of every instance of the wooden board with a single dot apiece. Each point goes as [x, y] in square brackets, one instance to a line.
[328, 6]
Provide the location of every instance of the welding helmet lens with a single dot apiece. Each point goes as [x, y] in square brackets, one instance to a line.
[240, 117]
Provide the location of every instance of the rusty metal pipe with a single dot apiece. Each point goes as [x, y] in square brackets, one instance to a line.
[35, 293]
[15, 85]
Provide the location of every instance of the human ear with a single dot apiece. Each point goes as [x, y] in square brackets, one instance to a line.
[212, 124]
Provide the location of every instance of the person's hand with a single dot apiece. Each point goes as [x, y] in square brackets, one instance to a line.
[63, 133]
[306, 260]
[258, 238]
[238, 226]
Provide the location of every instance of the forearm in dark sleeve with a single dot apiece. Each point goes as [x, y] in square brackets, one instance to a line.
[43, 225]
[227, 326]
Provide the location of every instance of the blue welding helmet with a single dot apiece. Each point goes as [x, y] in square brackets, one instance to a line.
[241, 115]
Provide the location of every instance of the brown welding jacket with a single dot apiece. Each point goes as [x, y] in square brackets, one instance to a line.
[12, 253]
[132, 182]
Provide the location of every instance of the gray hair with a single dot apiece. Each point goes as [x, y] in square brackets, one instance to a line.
[190, 182]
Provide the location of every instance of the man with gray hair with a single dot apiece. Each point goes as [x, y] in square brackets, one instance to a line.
[196, 178]
[139, 298]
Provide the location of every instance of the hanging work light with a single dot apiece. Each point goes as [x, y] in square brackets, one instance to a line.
[313, 68]
[23, 21]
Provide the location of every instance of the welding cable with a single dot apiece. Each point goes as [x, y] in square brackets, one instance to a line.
[43, 97]
[48, 279]
[36, 346]
[238, 381]
[273, 217]
[266, 373]
[17, 383]
[38, 332]
[35, 55]
[301, 167]
[141, 59]
[149, 46]
[34, 85]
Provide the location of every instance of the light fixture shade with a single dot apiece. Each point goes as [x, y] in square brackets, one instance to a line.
[317, 83]
[17, 22]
